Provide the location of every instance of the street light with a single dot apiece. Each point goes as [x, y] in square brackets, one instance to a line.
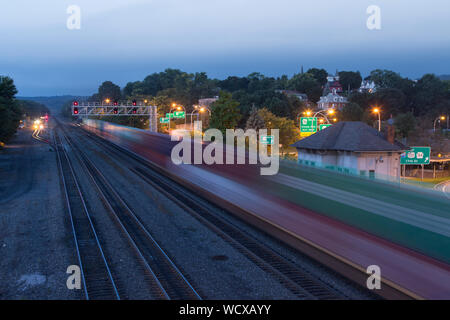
[377, 111]
[198, 110]
[179, 108]
[320, 112]
[437, 119]
[107, 100]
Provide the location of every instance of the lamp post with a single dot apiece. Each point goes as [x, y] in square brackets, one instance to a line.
[198, 110]
[437, 119]
[378, 111]
[178, 107]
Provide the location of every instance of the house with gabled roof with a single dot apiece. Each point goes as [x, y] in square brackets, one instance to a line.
[353, 147]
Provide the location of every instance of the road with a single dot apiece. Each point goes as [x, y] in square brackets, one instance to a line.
[444, 187]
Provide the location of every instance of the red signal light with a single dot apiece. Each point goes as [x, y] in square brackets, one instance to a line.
[134, 111]
[134, 102]
[115, 103]
[75, 110]
[75, 103]
[115, 110]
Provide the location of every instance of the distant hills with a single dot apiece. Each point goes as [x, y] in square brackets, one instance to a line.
[53, 103]
[444, 77]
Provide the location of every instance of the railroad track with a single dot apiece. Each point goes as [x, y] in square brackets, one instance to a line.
[297, 280]
[164, 277]
[98, 282]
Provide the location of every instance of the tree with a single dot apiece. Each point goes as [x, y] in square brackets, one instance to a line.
[352, 112]
[319, 74]
[430, 91]
[306, 83]
[288, 131]
[255, 121]
[224, 113]
[350, 80]
[10, 112]
[405, 123]
[391, 100]
[386, 78]
[109, 90]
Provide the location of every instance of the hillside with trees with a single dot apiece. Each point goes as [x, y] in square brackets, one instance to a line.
[409, 102]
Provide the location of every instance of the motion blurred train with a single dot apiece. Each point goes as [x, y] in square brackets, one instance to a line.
[335, 232]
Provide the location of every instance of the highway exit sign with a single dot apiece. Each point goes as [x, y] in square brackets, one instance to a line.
[417, 155]
[179, 114]
[164, 120]
[308, 124]
[324, 126]
[266, 139]
[169, 115]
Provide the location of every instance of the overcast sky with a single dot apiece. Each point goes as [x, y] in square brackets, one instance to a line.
[125, 40]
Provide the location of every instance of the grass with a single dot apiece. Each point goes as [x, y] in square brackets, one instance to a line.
[432, 182]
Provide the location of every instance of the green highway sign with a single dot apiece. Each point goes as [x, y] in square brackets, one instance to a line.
[323, 126]
[266, 139]
[169, 115]
[164, 120]
[179, 114]
[417, 155]
[308, 124]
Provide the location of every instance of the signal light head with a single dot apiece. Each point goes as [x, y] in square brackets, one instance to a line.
[115, 110]
[75, 103]
[115, 103]
[75, 110]
[134, 111]
[134, 102]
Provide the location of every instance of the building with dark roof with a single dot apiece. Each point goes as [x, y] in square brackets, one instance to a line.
[292, 93]
[332, 101]
[353, 147]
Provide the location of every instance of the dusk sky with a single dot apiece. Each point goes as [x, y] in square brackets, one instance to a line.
[125, 40]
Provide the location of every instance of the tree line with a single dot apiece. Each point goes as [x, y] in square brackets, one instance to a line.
[13, 110]
[398, 97]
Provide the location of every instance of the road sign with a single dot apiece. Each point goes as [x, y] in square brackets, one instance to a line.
[324, 126]
[417, 155]
[308, 124]
[164, 120]
[266, 139]
[179, 114]
[169, 115]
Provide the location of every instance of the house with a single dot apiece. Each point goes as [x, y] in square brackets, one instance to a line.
[367, 86]
[332, 101]
[292, 93]
[206, 102]
[332, 84]
[353, 147]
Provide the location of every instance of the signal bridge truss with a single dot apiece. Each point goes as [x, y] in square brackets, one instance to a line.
[95, 109]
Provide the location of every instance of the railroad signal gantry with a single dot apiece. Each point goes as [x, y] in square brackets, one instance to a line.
[116, 109]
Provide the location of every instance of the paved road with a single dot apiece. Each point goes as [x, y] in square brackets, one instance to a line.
[444, 187]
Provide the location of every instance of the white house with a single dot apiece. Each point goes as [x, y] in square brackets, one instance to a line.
[353, 147]
[367, 86]
[332, 101]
